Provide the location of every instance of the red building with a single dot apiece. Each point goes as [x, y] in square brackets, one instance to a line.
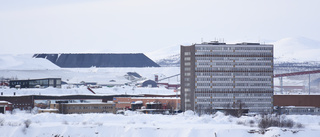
[127, 102]
[5, 106]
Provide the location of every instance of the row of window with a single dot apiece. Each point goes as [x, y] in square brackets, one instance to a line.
[187, 63]
[234, 74]
[233, 94]
[230, 54]
[187, 75]
[232, 69]
[235, 58]
[89, 107]
[231, 48]
[234, 63]
[233, 79]
[230, 99]
[226, 105]
[37, 82]
[209, 90]
[187, 53]
[234, 84]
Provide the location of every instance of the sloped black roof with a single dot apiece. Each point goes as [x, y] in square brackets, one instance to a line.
[86, 60]
[134, 74]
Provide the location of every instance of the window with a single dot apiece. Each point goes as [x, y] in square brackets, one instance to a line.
[187, 53]
[187, 58]
[187, 63]
[58, 82]
[51, 82]
[187, 74]
[187, 69]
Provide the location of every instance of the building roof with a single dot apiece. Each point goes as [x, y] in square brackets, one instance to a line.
[87, 60]
[4, 103]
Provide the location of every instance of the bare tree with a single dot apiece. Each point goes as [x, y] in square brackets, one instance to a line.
[239, 107]
[236, 109]
[158, 104]
[171, 105]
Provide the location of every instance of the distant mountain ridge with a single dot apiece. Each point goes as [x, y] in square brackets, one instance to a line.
[291, 54]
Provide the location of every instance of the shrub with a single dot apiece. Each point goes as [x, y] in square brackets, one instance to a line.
[276, 121]
[287, 123]
[299, 125]
[65, 122]
[27, 123]
[98, 123]
[251, 122]
[1, 121]
[240, 123]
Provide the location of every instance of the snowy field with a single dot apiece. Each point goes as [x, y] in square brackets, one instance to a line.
[144, 125]
[123, 90]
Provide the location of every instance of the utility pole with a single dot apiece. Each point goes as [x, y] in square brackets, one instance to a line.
[281, 85]
[309, 84]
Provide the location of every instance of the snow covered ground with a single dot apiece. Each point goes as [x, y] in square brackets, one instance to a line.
[144, 125]
[26, 67]
[123, 90]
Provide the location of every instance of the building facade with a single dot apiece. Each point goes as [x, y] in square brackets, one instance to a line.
[227, 76]
[81, 108]
[127, 102]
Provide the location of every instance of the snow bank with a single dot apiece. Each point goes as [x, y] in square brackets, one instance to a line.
[142, 125]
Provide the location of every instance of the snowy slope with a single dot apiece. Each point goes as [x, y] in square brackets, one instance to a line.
[24, 62]
[164, 52]
[297, 49]
[143, 125]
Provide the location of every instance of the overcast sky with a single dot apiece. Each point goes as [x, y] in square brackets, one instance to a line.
[62, 26]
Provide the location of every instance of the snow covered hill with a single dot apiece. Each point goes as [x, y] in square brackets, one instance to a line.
[24, 62]
[291, 55]
[170, 61]
[299, 49]
[287, 50]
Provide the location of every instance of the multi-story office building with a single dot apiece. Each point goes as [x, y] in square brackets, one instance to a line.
[217, 76]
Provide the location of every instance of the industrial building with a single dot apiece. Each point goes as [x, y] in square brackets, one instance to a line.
[36, 83]
[65, 107]
[217, 76]
[297, 104]
[134, 103]
[99, 60]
